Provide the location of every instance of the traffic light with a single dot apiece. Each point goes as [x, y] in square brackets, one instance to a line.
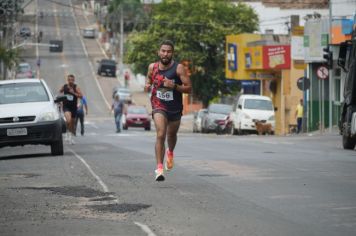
[328, 56]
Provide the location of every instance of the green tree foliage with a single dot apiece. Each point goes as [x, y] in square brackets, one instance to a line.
[198, 29]
[133, 13]
[9, 57]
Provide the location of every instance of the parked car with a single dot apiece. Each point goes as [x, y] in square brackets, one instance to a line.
[124, 94]
[215, 114]
[29, 115]
[107, 67]
[250, 109]
[137, 116]
[198, 118]
[25, 31]
[24, 70]
[56, 45]
[89, 33]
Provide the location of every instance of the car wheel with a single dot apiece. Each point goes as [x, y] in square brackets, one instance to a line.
[57, 147]
[347, 141]
[125, 127]
[148, 128]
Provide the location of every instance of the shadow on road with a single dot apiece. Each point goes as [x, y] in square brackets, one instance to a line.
[24, 156]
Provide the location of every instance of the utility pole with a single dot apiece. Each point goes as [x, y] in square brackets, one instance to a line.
[121, 40]
[330, 69]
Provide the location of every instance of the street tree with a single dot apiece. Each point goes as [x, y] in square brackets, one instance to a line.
[198, 29]
[8, 57]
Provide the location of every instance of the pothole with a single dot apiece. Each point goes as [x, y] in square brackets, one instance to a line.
[72, 191]
[19, 175]
[119, 208]
[124, 176]
[212, 175]
[102, 199]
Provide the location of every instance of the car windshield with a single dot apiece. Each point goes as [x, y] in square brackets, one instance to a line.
[220, 108]
[258, 104]
[22, 93]
[24, 68]
[137, 110]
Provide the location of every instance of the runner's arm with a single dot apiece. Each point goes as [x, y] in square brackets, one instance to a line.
[78, 92]
[61, 90]
[186, 86]
[148, 83]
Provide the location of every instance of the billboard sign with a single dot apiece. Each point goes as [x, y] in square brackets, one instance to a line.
[276, 57]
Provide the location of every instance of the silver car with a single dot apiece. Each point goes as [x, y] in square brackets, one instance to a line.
[215, 114]
[124, 94]
[89, 33]
[198, 118]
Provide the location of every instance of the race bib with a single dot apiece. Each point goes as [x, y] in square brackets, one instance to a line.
[166, 96]
[70, 97]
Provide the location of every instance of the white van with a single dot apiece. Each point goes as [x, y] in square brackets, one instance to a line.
[251, 108]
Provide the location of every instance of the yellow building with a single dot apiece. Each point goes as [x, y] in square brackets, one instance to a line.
[263, 65]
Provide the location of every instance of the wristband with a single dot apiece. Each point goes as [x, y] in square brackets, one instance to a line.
[175, 87]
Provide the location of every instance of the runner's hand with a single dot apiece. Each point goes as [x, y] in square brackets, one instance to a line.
[168, 83]
[147, 87]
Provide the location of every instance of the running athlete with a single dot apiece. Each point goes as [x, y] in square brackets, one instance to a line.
[72, 91]
[168, 80]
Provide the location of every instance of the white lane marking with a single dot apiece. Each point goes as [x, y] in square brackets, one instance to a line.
[145, 229]
[103, 185]
[87, 55]
[92, 124]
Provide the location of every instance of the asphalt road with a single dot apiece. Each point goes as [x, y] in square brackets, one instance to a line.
[221, 185]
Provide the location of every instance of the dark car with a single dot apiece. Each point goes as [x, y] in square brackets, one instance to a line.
[29, 115]
[56, 46]
[107, 67]
[25, 32]
[137, 116]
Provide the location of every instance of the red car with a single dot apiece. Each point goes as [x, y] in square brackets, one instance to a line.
[137, 116]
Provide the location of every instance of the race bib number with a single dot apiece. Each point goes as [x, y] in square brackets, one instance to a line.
[166, 96]
[70, 97]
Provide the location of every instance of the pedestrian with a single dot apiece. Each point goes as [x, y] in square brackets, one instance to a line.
[72, 91]
[127, 78]
[299, 116]
[118, 107]
[168, 80]
[82, 108]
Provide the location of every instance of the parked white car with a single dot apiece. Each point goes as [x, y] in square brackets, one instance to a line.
[248, 110]
[29, 115]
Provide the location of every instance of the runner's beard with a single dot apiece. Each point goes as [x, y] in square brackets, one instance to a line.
[167, 61]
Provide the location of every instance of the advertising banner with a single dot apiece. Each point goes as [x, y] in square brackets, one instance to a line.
[232, 56]
[276, 57]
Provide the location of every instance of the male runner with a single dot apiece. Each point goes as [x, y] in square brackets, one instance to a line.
[168, 80]
[72, 91]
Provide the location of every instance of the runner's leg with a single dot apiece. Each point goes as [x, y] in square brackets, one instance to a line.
[68, 116]
[161, 122]
[172, 130]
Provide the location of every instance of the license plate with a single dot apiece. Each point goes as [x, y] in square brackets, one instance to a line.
[138, 122]
[17, 132]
